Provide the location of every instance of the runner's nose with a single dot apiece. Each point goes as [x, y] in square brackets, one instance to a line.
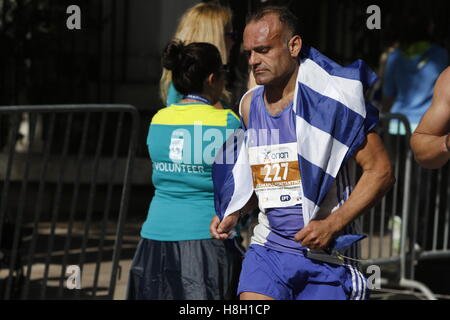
[253, 59]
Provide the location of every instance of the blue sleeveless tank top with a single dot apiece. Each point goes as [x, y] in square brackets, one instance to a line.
[272, 147]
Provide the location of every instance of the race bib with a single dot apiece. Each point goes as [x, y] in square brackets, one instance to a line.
[276, 175]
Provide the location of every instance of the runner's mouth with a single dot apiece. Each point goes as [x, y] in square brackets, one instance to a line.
[259, 71]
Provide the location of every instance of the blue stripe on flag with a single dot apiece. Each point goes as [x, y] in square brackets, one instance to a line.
[223, 187]
[222, 171]
[315, 182]
[328, 115]
[369, 124]
[222, 176]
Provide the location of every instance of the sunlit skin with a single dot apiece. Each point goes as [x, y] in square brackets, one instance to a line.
[429, 142]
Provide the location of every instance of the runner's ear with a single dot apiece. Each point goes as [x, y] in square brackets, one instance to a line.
[295, 45]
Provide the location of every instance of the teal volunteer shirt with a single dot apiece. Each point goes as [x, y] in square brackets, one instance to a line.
[182, 141]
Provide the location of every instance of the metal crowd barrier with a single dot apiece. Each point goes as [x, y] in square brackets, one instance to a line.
[64, 192]
[391, 242]
[431, 216]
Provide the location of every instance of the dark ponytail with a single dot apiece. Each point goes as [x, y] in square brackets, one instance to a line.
[172, 55]
[191, 64]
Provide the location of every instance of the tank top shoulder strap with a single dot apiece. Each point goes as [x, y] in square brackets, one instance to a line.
[255, 106]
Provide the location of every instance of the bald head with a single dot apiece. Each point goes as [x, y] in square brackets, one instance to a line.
[286, 18]
[268, 27]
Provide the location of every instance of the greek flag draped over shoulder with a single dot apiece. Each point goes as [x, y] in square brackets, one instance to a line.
[332, 120]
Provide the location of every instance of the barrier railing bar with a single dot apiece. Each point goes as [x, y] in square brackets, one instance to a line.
[42, 187]
[415, 218]
[57, 201]
[19, 217]
[74, 203]
[379, 261]
[38, 212]
[394, 197]
[405, 203]
[364, 243]
[372, 213]
[447, 215]
[108, 202]
[383, 211]
[426, 205]
[397, 168]
[436, 210]
[124, 198]
[11, 148]
[438, 254]
[92, 189]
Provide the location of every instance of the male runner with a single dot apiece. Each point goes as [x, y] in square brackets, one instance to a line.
[430, 141]
[276, 266]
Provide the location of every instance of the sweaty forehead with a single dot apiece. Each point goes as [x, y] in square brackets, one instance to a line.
[263, 31]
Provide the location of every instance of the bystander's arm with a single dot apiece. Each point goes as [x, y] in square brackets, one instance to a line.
[430, 141]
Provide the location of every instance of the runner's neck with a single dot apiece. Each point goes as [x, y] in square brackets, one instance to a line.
[279, 96]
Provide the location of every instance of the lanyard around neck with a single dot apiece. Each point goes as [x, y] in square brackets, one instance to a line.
[197, 98]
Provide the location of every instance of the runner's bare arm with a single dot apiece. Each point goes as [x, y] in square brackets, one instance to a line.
[375, 181]
[429, 141]
[245, 108]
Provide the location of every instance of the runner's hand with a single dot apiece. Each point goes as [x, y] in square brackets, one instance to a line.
[316, 235]
[222, 230]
